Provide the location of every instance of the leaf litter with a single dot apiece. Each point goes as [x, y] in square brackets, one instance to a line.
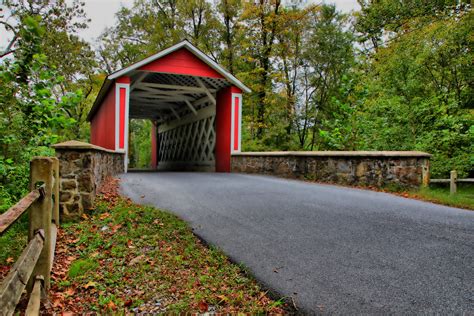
[147, 261]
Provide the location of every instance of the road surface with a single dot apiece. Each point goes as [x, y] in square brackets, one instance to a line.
[333, 249]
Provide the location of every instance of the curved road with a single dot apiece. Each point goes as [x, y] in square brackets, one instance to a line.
[333, 249]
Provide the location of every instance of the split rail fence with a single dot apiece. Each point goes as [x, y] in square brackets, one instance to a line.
[32, 270]
[453, 181]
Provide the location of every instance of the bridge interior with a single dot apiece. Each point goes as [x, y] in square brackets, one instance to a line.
[183, 111]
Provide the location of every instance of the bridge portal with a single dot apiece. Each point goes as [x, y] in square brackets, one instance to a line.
[194, 104]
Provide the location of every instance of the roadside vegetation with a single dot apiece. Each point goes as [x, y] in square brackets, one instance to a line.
[128, 258]
[464, 197]
[394, 75]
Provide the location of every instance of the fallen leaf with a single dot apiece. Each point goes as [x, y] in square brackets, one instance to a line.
[10, 260]
[104, 215]
[90, 284]
[136, 260]
[111, 305]
[57, 303]
[223, 298]
[203, 307]
[128, 303]
[70, 291]
[116, 227]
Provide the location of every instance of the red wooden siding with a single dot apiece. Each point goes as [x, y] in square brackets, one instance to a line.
[103, 123]
[182, 62]
[223, 131]
[236, 123]
[123, 95]
[123, 79]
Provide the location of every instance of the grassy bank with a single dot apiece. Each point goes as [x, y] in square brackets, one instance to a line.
[128, 258]
[464, 197]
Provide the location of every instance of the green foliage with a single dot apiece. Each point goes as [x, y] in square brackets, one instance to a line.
[406, 84]
[420, 95]
[82, 266]
[463, 198]
[32, 117]
[140, 144]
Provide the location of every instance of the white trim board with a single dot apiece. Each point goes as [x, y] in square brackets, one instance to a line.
[119, 86]
[232, 132]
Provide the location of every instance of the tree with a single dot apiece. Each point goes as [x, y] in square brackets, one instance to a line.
[63, 21]
[31, 116]
[261, 27]
[230, 33]
[379, 21]
[330, 56]
[420, 92]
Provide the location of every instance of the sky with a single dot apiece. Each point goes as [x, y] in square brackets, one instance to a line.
[101, 13]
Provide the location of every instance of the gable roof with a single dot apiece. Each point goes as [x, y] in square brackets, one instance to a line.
[136, 66]
[193, 49]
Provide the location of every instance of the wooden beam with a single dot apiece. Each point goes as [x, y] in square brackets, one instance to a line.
[34, 303]
[137, 82]
[202, 113]
[160, 97]
[14, 212]
[15, 282]
[153, 104]
[191, 107]
[209, 94]
[175, 87]
[161, 92]
[175, 113]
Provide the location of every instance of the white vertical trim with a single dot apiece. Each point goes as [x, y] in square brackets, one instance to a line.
[119, 86]
[239, 131]
[240, 121]
[117, 117]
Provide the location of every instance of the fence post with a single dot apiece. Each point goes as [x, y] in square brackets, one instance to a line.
[40, 215]
[453, 177]
[425, 173]
[56, 191]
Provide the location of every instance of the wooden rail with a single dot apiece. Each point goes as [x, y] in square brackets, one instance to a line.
[9, 217]
[33, 269]
[453, 181]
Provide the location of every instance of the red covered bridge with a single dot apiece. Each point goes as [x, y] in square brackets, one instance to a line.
[195, 106]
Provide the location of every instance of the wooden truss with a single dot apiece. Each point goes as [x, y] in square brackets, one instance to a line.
[190, 139]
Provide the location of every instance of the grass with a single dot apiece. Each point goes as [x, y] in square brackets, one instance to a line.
[130, 258]
[13, 241]
[464, 197]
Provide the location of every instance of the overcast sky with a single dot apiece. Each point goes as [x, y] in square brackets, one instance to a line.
[101, 13]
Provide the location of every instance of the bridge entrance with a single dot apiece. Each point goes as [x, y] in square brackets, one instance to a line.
[195, 107]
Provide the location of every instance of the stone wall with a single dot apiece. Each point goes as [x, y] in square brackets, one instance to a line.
[82, 168]
[365, 168]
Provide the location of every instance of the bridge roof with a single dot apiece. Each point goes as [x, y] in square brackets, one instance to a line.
[193, 49]
[166, 62]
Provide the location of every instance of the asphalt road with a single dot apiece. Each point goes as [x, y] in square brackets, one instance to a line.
[333, 249]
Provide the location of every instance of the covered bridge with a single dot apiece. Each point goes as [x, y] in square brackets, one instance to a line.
[195, 106]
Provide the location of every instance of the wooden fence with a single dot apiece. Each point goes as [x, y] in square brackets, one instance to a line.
[32, 270]
[453, 181]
